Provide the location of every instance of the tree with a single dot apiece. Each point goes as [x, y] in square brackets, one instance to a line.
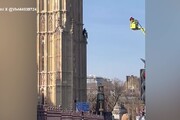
[91, 96]
[113, 89]
[117, 91]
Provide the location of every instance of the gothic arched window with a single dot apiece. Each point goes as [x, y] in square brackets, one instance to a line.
[50, 50]
[50, 5]
[56, 3]
[41, 5]
[42, 23]
[42, 42]
[50, 23]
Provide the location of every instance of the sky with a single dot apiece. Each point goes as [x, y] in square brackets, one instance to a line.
[113, 49]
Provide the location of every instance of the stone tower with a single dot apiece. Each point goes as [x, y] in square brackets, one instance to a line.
[61, 52]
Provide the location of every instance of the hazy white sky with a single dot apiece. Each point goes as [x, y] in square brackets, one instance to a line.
[113, 49]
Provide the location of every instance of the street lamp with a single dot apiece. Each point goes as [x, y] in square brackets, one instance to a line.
[144, 61]
[100, 99]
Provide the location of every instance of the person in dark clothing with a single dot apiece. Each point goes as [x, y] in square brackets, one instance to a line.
[85, 34]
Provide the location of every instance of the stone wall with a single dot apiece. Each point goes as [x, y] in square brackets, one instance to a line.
[56, 113]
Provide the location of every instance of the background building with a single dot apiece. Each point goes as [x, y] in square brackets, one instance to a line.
[133, 101]
[61, 52]
[133, 85]
[94, 81]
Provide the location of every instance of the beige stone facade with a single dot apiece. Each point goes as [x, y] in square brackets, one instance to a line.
[61, 52]
[132, 85]
[133, 90]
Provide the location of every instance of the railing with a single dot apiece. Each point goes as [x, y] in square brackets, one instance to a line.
[56, 113]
